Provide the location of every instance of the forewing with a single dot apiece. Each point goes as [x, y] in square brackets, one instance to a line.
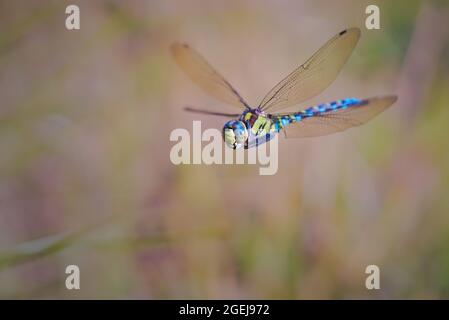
[315, 75]
[202, 73]
[339, 120]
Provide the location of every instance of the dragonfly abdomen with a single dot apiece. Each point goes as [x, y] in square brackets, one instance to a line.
[281, 121]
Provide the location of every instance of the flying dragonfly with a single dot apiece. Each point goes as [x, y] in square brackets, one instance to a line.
[254, 126]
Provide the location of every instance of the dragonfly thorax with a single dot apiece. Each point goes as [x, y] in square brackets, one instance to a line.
[235, 134]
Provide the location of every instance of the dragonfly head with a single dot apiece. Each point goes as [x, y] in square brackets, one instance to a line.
[235, 134]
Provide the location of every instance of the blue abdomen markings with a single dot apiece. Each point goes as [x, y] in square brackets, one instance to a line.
[280, 121]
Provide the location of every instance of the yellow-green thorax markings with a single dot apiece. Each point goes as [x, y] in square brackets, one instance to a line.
[262, 124]
[259, 124]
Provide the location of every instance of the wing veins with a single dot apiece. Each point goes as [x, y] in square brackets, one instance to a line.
[313, 76]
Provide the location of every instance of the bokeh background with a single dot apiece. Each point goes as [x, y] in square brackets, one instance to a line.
[86, 179]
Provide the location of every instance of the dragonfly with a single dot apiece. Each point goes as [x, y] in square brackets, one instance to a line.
[255, 126]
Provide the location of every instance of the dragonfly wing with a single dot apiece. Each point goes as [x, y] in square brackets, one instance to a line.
[338, 120]
[212, 113]
[206, 77]
[315, 75]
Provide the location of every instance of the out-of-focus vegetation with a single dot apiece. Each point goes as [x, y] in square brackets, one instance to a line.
[85, 175]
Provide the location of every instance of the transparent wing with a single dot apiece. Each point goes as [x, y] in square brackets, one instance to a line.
[339, 120]
[202, 73]
[315, 75]
[211, 113]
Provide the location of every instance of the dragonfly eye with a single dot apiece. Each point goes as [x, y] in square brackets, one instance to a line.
[235, 134]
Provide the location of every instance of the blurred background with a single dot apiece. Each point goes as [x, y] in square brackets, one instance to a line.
[86, 179]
